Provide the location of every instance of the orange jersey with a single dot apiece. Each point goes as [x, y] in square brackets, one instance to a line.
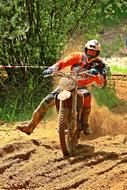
[70, 60]
[78, 59]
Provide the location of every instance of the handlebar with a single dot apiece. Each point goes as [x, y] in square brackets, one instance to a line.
[96, 80]
[70, 74]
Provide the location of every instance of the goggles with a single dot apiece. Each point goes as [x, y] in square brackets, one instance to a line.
[91, 53]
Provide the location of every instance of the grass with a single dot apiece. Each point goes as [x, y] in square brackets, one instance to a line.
[18, 101]
[117, 69]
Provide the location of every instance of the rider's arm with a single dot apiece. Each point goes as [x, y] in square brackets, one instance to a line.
[68, 61]
[61, 64]
[97, 75]
[101, 76]
[98, 80]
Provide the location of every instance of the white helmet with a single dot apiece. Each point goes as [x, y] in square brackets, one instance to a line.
[92, 49]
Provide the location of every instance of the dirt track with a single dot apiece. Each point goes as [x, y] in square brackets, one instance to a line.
[35, 162]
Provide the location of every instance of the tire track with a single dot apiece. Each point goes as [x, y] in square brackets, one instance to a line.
[39, 164]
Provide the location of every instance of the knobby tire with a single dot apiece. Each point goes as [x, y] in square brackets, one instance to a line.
[62, 135]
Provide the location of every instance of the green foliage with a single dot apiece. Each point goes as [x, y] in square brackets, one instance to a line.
[34, 32]
[106, 97]
[111, 13]
[21, 100]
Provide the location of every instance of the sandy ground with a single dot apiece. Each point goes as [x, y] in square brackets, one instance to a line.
[36, 162]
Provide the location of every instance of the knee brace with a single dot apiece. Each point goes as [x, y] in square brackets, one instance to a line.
[87, 101]
[87, 98]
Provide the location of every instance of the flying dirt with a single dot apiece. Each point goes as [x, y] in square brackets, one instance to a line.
[36, 162]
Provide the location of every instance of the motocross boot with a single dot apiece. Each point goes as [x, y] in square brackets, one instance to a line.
[37, 116]
[84, 121]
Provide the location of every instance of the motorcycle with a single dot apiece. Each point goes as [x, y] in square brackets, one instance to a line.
[69, 104]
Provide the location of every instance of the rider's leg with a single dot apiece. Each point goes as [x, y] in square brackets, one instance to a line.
[86, 112]
[39, 113]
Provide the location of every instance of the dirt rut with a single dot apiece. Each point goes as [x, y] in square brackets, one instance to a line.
[38, 164]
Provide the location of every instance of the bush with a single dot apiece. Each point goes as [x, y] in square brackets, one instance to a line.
[106, 96]
[18, 100]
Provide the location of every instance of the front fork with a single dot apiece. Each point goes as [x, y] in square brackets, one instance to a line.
[75, 107]
[73, 123]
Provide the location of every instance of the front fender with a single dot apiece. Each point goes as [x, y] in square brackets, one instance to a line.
[64, 95]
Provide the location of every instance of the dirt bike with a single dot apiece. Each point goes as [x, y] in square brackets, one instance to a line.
[69, 104]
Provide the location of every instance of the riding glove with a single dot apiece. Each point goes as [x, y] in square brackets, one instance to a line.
[93, 71]
[47, 71]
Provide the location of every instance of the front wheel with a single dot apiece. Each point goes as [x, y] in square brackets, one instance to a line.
[73, 136]
[62, 119]
[71, 142]
[68, 137]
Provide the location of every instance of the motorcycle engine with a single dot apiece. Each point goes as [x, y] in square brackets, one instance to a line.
[67, 83]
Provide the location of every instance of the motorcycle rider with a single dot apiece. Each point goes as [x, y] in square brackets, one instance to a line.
[88, 59]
